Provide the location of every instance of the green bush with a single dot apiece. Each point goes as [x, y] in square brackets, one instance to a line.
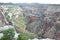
[8, 34]
[23, 37]
[8, 18]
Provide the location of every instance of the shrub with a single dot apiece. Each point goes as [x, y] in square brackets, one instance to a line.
[8, 18]
[23, 37]
[8, 34]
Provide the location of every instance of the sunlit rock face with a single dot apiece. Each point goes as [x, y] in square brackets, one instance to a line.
[2, 19]
[1, 35]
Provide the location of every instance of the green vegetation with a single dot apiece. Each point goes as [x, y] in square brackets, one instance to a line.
[14, 11]
[23, 37]
[8, 18]
[8, 34]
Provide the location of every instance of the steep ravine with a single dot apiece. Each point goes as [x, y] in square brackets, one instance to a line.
[38, 21]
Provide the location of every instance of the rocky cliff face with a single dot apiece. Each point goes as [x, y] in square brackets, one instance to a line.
[2, 18]
[42, 19]
[37, 20]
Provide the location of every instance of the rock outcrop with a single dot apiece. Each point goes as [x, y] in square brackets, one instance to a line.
[2, 18]
[42, 20]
